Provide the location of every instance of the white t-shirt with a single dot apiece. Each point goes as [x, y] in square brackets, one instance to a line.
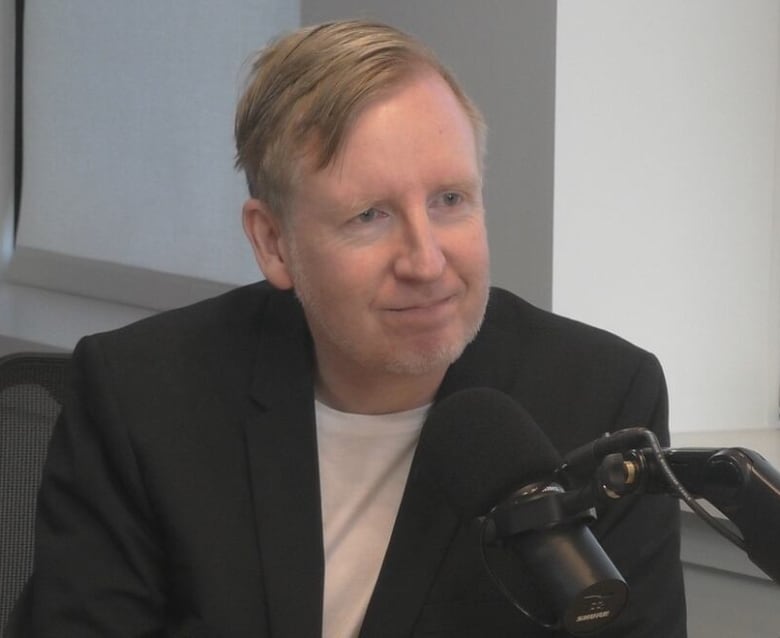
[364, 463]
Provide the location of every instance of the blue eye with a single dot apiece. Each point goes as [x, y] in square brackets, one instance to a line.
[451, 199]
[368, 215]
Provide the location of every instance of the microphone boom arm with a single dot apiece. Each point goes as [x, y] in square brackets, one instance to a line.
[743, 486]
[739, 482]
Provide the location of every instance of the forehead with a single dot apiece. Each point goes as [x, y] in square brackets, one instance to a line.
[418, 130]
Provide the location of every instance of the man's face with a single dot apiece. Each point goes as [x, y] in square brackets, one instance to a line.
[386, 247]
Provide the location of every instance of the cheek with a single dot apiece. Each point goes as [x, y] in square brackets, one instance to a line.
[468, 251]
[343, 276]
[362, 266]
[478, 245]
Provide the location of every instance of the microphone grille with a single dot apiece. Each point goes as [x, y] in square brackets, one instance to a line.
[478, 445]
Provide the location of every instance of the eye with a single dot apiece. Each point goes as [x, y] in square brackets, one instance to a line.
[369, 215]
[449, 199]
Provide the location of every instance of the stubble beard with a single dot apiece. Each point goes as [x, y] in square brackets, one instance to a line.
[407, 361]
[394, 361]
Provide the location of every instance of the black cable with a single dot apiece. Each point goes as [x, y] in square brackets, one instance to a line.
[685, 496]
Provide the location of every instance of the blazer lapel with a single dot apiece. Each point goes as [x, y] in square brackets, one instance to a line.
[282, 451]
[421, 537]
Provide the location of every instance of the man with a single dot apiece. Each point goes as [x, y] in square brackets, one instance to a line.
[246, 467]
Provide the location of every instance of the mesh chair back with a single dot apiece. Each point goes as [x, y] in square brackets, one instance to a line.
[32, 387]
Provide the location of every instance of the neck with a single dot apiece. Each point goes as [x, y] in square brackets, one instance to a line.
[378, 394]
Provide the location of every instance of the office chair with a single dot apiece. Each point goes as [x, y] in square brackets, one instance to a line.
[32, 388]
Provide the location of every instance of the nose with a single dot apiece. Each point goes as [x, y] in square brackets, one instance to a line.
[420, 256]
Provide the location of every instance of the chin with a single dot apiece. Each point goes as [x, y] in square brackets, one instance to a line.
[427, 357]
[423, 361]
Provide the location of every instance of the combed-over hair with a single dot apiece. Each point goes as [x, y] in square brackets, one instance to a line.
[307, 87]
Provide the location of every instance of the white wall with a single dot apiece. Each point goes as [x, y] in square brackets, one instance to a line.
[128, 131]
[665, 219]
[130, 201]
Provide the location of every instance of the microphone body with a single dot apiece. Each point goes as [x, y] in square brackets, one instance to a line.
[546, 527]
[479, 445]
[580, 581]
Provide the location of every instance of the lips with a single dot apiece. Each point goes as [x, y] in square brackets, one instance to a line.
[423, 306]
[423, 316]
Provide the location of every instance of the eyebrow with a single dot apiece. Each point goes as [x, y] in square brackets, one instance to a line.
[464, 184]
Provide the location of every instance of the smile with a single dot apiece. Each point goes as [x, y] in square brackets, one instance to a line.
[425, 306]
[425, 313]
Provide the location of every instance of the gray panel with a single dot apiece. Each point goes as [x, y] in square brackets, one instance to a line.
[108, 281]
[727, 595]
[726, 605]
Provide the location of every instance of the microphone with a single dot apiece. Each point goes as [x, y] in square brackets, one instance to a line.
[491, 460]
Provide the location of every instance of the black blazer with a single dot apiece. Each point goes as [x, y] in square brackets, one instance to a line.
[180, 495]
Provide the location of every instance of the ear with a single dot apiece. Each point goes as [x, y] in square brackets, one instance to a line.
[265, 233]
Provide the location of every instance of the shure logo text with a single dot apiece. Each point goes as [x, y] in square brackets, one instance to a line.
[593, 616]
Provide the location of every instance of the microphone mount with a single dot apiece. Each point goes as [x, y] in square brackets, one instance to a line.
[738, 482]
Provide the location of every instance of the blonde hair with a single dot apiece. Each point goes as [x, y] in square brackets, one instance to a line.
[306, 88]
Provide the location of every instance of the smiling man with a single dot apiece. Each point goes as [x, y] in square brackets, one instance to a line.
[385, 247]
[246, 466]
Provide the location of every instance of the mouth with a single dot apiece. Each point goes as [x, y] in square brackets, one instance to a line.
[424, 306]
[424, 315]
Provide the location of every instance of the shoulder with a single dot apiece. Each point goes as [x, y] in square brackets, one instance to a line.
[239, 311]
[555, 336]
[203, 336]
[562, 370]
[235, 305]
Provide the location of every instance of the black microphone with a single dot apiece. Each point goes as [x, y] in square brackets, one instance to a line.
[490, 459]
